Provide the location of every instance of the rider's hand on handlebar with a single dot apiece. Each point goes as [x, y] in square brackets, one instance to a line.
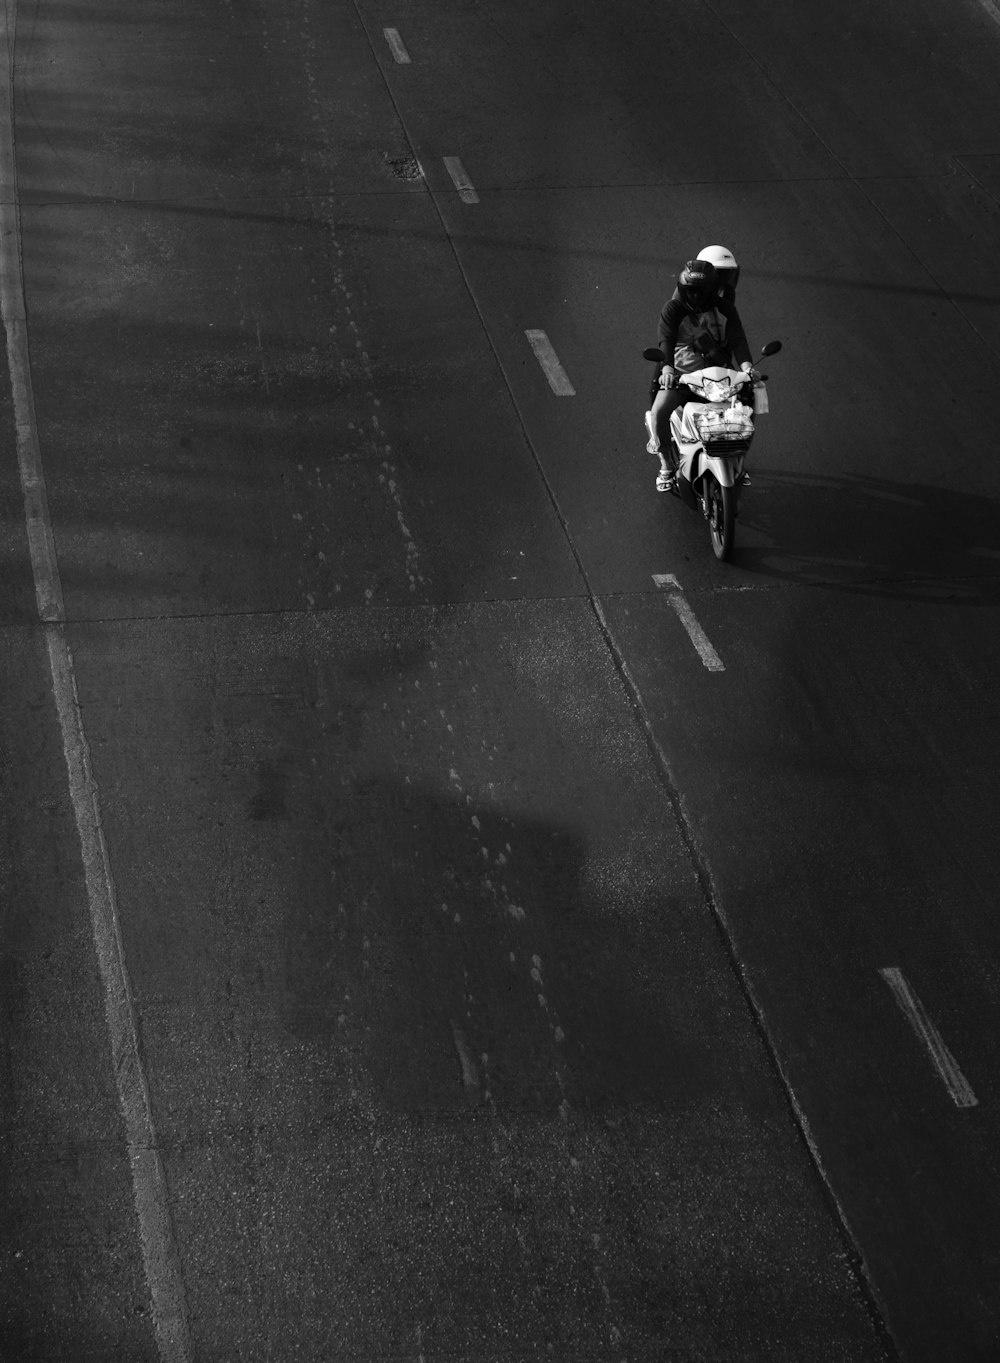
[669, 378]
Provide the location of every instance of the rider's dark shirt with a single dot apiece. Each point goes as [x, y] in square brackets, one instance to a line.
[687, 337]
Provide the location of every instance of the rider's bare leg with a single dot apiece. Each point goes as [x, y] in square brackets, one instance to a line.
[658, 418]
[657, 423]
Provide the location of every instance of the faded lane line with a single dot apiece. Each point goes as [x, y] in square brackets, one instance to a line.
[549, 360]
[686, 615]
[470, 1075]
[41, 546]
[461, 180]
[396, 46]
[992, 9]
[942, 1059]
[161, 1260]
[159, 1249]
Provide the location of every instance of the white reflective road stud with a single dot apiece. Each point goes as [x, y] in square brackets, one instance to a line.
[551, 368]
[461, 180]
[396, 46]
[668, 583]
[941, 1058]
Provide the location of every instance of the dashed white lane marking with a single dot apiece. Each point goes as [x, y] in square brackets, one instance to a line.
[461, 180]
[549, 360]
[162, 1262]
[686, 615]
[942, 1059]
[396, 46]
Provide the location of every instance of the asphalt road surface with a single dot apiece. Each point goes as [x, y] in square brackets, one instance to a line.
[444, 914]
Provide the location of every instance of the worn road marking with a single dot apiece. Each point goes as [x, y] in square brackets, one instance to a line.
[470, 1075]
[992, 9]
[943, 1060]
[41, 546]
[549, 360]
[686, 615]
[162, 1262]
[461, 180]
[396, 46]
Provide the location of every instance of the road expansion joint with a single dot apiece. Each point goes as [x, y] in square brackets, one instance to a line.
[408, 187]
[843, 584]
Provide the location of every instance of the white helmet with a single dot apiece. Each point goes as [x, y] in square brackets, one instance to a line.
[725, 265]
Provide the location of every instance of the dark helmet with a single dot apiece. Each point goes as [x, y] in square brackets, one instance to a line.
[698, 285]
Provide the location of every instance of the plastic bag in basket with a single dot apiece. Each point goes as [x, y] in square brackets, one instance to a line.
[724, 423]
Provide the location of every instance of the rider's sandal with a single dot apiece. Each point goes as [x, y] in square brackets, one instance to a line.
[664, 481]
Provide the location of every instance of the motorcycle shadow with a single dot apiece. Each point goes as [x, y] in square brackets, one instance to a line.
[870, 536]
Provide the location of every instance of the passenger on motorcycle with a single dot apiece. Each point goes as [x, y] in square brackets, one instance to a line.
[697, 329]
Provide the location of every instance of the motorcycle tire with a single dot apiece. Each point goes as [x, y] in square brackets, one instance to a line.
[721, 502]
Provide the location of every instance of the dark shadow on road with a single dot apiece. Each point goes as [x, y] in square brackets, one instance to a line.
[448, 913]
[873, 537]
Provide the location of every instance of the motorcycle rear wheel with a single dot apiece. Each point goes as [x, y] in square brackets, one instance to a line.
[721, 503]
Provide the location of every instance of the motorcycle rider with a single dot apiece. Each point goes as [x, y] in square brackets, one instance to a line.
[698, 328]
[726, 269]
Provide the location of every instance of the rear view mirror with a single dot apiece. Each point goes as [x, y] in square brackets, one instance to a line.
[771, 348]
[654, 353]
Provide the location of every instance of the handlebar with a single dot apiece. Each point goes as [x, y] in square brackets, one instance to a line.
[656, 355]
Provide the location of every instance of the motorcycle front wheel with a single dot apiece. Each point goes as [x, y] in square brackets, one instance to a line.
[720, 503]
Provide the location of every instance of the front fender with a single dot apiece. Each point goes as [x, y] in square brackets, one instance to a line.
[724, 469]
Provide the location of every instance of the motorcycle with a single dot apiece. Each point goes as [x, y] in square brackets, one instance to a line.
[709, 442]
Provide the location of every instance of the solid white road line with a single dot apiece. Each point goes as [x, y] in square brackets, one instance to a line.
[942, 1059]
[396, 46]
[686, 615]
[41, 547]
[553, 370]
[461, 180]
[162, 1262]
